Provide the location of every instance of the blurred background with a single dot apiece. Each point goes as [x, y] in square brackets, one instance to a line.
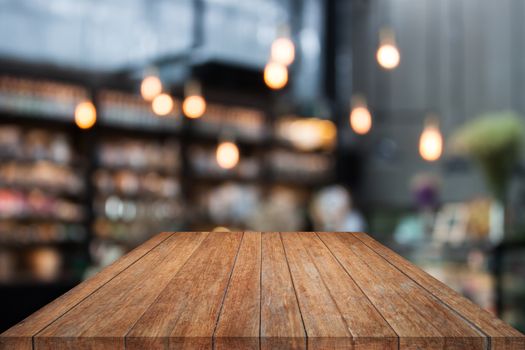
[123, 118]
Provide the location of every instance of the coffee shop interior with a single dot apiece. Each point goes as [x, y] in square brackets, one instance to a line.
[120, 119]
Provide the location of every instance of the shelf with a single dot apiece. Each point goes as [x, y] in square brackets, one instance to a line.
[255, 140]
[55, 192]
[39, 116]
[214, 137]
[140, 170]
[135, 197]
[30, 160]
[227, 177]
[30, 245]
[40, 219]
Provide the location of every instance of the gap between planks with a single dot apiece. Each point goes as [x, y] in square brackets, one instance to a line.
[168, 235]
[424, 286]
[226, 291]
[486, 337]
[174, 276]
[358, 286]
[294, 289]
[485, 344]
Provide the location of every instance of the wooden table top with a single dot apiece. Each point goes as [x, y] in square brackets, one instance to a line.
[262, 290]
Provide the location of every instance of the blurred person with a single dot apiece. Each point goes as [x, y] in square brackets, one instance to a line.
[331, 210]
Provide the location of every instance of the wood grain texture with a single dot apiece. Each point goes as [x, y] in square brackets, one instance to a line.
[281, 322]
[111, 311]
[501, 335]
[323, 321]
[419, 319]
[367, 326]
[185, 314]
[239, 321]
[20, 336]
[267, 290]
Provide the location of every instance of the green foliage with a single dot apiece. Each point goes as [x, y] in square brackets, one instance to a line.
[494, 140]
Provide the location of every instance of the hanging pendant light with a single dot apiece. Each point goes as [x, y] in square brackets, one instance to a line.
[283, 48]
[282, 54]
[360, 117]
[227, 154]
[275, 75]
[85, 115]
[431, 140]
[162, 105]
[283, 51]
[194, 104]
[387, 54]
[151, 85]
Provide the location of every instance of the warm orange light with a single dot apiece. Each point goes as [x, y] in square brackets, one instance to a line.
[194, 106]
[361, 120]
[227, 155]
[150, 87]
[360, 116]
[283, 51]
[312, 133]
[85, 115]
[431, 143]
[162, 104]
[275, 75]
[388, 56]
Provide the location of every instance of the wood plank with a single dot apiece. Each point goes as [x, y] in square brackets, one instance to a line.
[20, 335]
[239, 321]
[325, 326]
[264, 290]
[368, 327]
[417, 317]
[502, 335]
[185, 315]
[281, 323]
[110, 312]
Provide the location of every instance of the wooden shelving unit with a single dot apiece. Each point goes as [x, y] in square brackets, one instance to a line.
[185, 133]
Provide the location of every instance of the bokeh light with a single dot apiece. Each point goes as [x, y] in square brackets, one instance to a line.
[194, 106]
[85, 115]
[275, 75]
[388, 56]
[431, 143]
[227, 155]
[360, 120]
[150, 87]
[162, 104]
[283, 51]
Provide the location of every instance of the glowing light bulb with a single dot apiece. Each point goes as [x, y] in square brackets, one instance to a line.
[227, 155]
[283, 51]
[431, 142]
[361, 120]
[360, 117]
[150, 87]
[194, 106]
[275, 75]
[388, 56]
[85, 115]
[310, 134]
[162, 104]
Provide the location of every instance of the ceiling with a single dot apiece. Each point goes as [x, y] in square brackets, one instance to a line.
[107, 35]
